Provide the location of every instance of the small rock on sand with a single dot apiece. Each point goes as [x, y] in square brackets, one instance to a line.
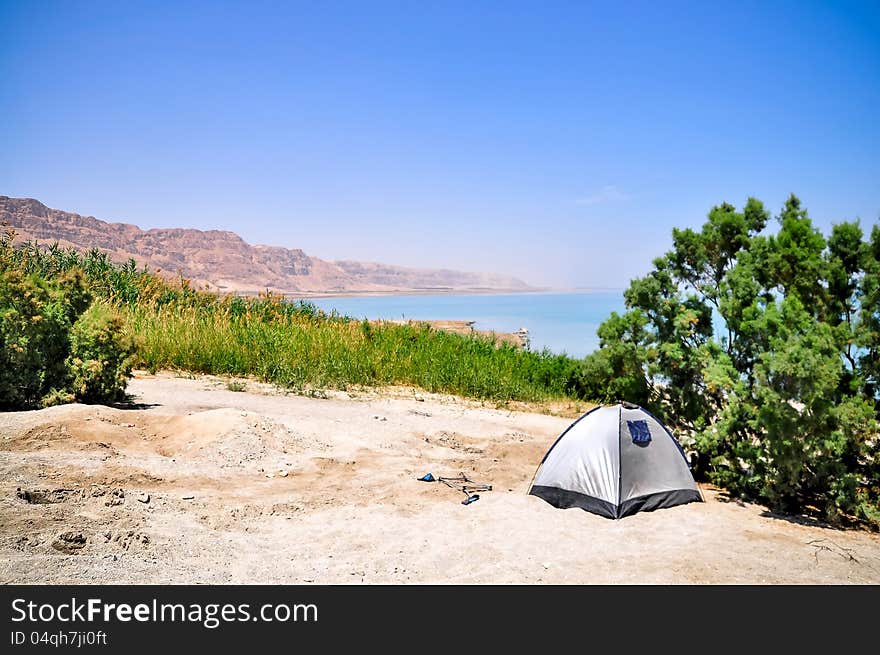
[116, 497]
[69, 543]
[143, 498]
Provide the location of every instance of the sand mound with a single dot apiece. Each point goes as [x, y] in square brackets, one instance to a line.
[230, 438]
[224, 437]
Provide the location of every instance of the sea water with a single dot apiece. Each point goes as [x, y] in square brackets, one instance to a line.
[561, 322]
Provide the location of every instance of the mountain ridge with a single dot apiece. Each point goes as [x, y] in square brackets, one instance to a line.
[223, 261]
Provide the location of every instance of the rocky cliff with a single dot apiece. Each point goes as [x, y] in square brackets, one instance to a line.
[225, 262]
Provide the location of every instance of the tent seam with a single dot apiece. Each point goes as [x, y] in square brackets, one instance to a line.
[619, 461]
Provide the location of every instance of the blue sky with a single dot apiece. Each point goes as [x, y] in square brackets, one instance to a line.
[556, 141]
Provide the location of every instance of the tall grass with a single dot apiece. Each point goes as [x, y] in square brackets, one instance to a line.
[296, 345]
[298, 350]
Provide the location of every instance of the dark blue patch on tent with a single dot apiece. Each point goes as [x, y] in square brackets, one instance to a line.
[639, 432]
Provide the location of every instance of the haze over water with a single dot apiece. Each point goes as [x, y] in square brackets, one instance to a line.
[562, 322]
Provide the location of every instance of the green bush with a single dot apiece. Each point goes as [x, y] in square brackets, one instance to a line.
[101, 355]
[615, 372]
[35, 320]
[55, 345]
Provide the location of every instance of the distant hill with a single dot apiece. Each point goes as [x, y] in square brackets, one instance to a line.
[226, 262]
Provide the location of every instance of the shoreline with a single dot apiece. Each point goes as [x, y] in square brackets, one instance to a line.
[448, 292]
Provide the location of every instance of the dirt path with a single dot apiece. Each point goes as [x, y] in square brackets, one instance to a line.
[204, 484]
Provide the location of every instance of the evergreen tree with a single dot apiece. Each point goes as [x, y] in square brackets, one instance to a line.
[764, 351]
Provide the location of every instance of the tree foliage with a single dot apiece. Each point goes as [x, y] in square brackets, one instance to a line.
[763, 350]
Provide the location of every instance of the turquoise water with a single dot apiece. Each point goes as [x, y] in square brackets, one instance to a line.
[562, 322]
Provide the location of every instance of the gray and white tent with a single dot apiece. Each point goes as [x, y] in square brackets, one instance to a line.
[615, 461]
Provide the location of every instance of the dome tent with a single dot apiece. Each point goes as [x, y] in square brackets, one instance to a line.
[615, 461]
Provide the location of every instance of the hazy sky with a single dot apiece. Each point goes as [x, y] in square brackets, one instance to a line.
[556, 141]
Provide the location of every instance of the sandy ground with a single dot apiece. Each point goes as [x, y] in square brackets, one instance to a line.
[199, 483]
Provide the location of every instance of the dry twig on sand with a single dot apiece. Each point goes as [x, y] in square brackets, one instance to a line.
[845, 553]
